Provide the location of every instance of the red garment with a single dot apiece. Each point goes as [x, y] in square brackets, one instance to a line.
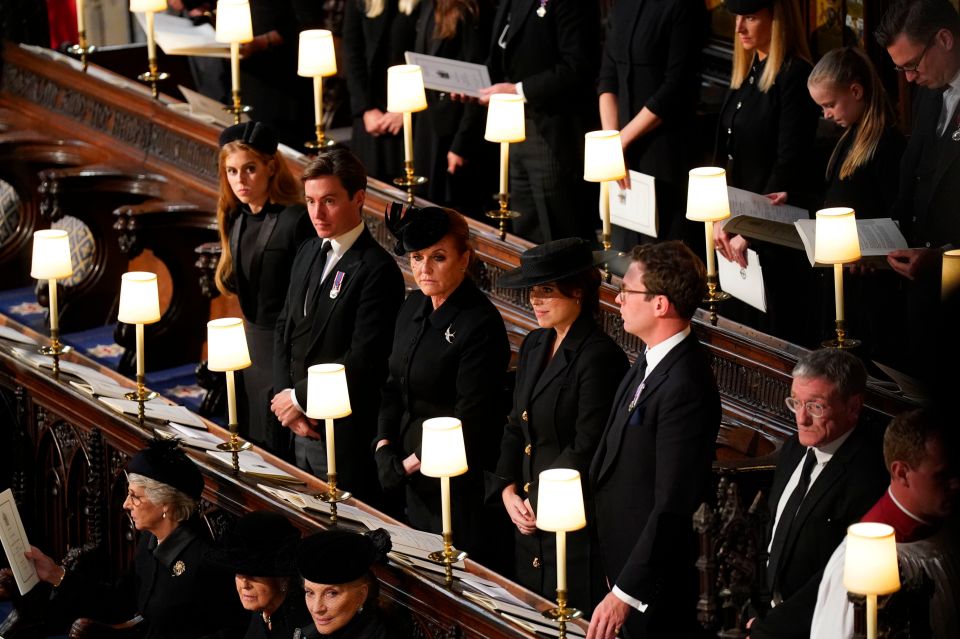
[62, 15]
[906, 528]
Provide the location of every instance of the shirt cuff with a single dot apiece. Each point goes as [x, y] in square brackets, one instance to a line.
[519, 86]
[630, 601]
[293, 398]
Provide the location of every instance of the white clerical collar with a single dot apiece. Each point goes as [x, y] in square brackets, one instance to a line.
[655, 354]
[905, 511]
[341, 244]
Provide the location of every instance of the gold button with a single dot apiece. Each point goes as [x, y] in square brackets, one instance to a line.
[536, 562]
[527, 449]
[523, 416]
[526, 487]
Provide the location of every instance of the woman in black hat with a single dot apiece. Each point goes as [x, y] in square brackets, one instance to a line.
[179, 593]
[262, 221]
[567, 375]
[449, 357]
[339, 589]
[260, 549]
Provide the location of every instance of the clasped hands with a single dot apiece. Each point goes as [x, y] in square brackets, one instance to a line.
[291, 417]
[520, 511]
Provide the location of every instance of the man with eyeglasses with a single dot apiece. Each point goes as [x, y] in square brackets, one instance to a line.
[652, 466]
[827, 476]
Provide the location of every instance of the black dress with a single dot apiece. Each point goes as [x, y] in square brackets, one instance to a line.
[263, 248]
[449, 362]
[285, 622]
[560, 407]
[367, 624]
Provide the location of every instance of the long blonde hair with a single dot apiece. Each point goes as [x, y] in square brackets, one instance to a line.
[786, 39]
[283, 189]
[373, 8]
[843, 68]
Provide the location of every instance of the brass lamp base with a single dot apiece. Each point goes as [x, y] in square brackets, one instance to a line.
[842, 341]
[333, 496]
[503, 213]
[236, 108]
[608, 255]
[82, 49]
[151, 77]
[55, 350]
[562, 614]
[713, 297]
[321, 141]
[447, 557]
[409, 181]
[141, 396]
[234, 444]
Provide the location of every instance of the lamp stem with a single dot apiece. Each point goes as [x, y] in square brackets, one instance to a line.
[231, 402]
[141, 368]
[838, 290]
[151, 42]
[235, 67]
[711, 249]
[331, 450]
[408, 137]
[445, 506]
[561, 561]
[54, 312]
[504, 167]
[871, 617]
[605, 210]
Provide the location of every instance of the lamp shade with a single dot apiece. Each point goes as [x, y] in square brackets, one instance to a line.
[950, 281]
[442, 448]
[141, 6]
[233, 21]
[327, 394]
[51, 255]
[707, 198]
[227, 345]
[139, 298]
[317, 57]
[505, 119]
[837, 241]
[603, 157]
[405, 92]
[870, 565]
[560, 501]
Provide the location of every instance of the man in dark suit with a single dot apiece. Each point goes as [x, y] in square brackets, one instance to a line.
[828, 475]
[652, 467]
[548, 53]
[345, 291]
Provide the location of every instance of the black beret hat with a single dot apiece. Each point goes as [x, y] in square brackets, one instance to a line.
[416, 228]
[165, 462]
[255, 134]
[259, 544]
[746, 7]
[339, 556]
[549, 262]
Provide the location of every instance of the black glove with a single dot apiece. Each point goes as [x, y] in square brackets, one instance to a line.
[389, 468]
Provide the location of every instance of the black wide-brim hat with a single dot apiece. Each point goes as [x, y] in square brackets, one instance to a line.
[416, 228]
[165, 462]
[255, 134]
[549, 262]
[259, 544]
[339, 556]
[746, 7]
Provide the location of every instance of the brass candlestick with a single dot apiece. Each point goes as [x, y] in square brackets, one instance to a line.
[503, 213]
[842, 341]
[236, 108]
[141, 396]
[55, 350]
[562, 614]
[714, 297]
[152, 76]
[82, 49]
[321, 142]
[409, 181]
[333, 496]
[447, 557]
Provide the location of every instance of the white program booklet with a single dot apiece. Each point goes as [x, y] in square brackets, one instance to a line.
[635, 208]
[451, 76]
[753, 215]
[877, 237]
[179, 36]
[745, 284]
[15, 543]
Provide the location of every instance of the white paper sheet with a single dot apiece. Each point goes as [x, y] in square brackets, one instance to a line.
[759, 206]
[14, 335]
[157, 409]
[451, 76]
[206, 109]
[905, 384]
[14, 540]
[179, 36]
[745, 284]
[252, 463]
[877, 237]
[635, 208]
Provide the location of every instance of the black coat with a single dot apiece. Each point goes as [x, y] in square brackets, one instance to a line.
[846, 488]
[650, 473]
[873, 188]
[284, 622]
[354, 329]
[560, 406]
[368, 624]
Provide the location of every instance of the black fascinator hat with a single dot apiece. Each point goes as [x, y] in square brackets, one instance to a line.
[416, 228]
[259, 544]
[255, 134]
[549, 262]
[339, 556]
[165, 462]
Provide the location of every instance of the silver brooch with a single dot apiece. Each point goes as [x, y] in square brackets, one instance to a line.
[179, 568]
[449, 335]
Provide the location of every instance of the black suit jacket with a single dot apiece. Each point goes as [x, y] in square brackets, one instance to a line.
[930, 177]
[650, 473]
[354, 329]
[846, 488]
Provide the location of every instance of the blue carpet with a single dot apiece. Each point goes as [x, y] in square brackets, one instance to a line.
[178, 384]
[21, 305]
[97, 344]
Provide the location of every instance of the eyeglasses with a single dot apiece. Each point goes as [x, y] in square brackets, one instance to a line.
[624, 291]
[812, 408]
[136, 500]
[913, 66]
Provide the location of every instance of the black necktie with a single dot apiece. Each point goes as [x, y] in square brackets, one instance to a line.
[315, 277]
[633, 394]
[786, 518]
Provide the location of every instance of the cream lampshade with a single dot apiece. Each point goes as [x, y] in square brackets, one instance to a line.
[142, 6]
[51, 255]
[227, 345]
[405, 93]
[603, 157]
[505, 119]
[950, 280]
[707, 199]
[870, 566]
[442, 448]
[317, 56]
[560, 501]
[233, 21]
[836, 240]
[139, 298]
[327, 395]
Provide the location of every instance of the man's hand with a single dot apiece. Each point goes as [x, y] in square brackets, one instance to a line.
[499, 87]
[454, 162]
[303, 427]
[373, 122]
[521, 514]
[391, 123]
[608, 618]
[283, 407]
[913, 263]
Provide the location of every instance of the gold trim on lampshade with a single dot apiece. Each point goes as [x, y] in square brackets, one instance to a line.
[51, 255]
[442, 449]
[560, 501]
[233, 21]
[707, 196]
[405, 93]
[139, 298]
[603, 157]
[837, 241]
[227, 345]
[327, 394]
[505, 119]
[870, 563]
[316, 57]
[142, 6]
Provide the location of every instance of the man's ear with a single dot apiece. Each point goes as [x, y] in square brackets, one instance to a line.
[898, 472]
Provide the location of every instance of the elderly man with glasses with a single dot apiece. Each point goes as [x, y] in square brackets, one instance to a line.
[828, 475]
